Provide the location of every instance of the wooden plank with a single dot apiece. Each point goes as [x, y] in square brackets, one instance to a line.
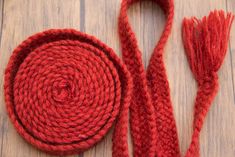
[231, 8]
[1, 117]
[183, 87]
[1, 7]
[152, 25]
[21, 19]
[101, 21]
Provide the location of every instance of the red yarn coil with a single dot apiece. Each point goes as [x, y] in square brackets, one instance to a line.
[64, 90]
[153, 127]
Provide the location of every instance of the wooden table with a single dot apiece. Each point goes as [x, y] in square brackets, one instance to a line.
[21, 18]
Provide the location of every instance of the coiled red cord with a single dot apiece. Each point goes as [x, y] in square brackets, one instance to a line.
[64, 90]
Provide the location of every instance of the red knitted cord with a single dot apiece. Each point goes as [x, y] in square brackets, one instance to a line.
[64, 90]
[153, 127]
[206, 44]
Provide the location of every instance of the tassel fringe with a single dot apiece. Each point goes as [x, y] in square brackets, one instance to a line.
[206, 41]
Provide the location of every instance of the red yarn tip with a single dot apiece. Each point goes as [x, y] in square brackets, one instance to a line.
[206, 42]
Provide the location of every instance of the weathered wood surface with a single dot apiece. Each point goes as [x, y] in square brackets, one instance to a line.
[21, 18]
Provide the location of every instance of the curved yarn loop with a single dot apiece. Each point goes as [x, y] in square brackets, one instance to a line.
[153, 127]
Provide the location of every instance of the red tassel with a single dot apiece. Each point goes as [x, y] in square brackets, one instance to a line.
[206, 44]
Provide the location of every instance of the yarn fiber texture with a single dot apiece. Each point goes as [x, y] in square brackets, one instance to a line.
[64, 90]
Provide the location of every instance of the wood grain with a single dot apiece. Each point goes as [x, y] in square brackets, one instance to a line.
[21, 18]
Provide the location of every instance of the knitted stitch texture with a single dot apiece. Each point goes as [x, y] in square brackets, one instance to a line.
[64, 90]
[153, 126]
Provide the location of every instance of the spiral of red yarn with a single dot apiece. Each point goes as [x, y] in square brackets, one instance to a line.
[64, 90]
